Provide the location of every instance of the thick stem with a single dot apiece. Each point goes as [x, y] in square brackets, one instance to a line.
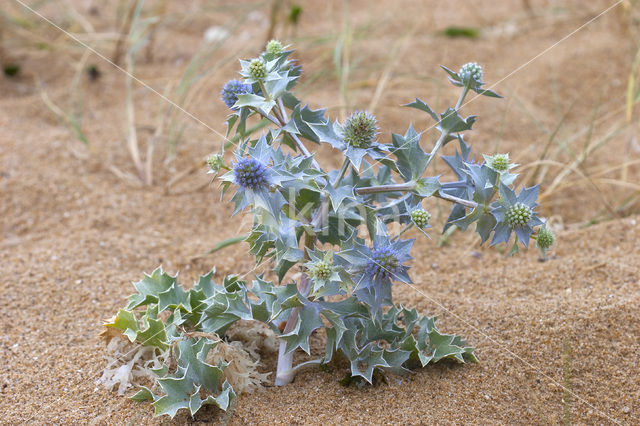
[285, 371]
[453, 199]
[283, 111]
[444, 135]
[264, 91]
[461, 98]
[408, 187]
[343, 170]
[386, 188]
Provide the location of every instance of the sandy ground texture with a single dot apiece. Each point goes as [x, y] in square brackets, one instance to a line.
[557, 341]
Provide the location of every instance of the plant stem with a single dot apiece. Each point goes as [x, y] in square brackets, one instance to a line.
[284, 370]
[408, 186]
[343, 170]
[444, 135]
[280, 123]
[302, 365]
[406, 228]
[264, 90]
[453, 199]
[461, 98]
[283, 111]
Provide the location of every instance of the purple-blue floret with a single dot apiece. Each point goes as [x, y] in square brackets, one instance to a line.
[232, 89]
[384, 263]
[250, 173]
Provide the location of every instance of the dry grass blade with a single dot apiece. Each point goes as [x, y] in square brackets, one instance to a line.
[396, 52]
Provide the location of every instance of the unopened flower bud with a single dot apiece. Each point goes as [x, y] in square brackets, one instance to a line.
[257, 69]
[215, 162]
[420, 217]
[471, 69]
[274, 48]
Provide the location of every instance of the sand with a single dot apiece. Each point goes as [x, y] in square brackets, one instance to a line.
[73, 236]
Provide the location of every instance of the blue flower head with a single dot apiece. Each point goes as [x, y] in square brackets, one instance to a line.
[374, 269]
[232, 89]
[250, 173]
[384, 263]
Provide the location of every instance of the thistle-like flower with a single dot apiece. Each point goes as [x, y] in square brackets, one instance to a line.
[274, 48]
[257, 69]
[518, 214]
[498, 162]
[471, 70]
[215, 162]
[384, 263]
[420, 217]
[360, 129]
[250, 173]
[232, 89]
[515, 214]
[545, 239]
[321, 270]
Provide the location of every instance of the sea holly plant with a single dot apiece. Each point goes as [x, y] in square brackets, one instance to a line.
[335, 240]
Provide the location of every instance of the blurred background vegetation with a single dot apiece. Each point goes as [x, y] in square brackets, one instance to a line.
[143, 101]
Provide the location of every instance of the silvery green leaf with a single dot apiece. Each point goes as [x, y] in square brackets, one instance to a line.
[152, 334]
[399, 210]
[445, 346]
[485, 224]
[276, 87]
[457, 162]
[366, 360]
[308, 321]
[355, 155]
[419, 104]
[278, 298]
[426, 187]
[487, 92]
[255, 101]
[231, 121]
[289, 100]
[144, 394]
[453, 76]
[464, 222]
[150, 287]
[312, 125]
[338, 195]
[514, 250]
[223, 309]
[192, 357]
[412, 160]
[330, 344]
[452, 122]
[175, 298]
[178, 391]
[182, 388]
[223, 400]
[338, 324]
[396, 358]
